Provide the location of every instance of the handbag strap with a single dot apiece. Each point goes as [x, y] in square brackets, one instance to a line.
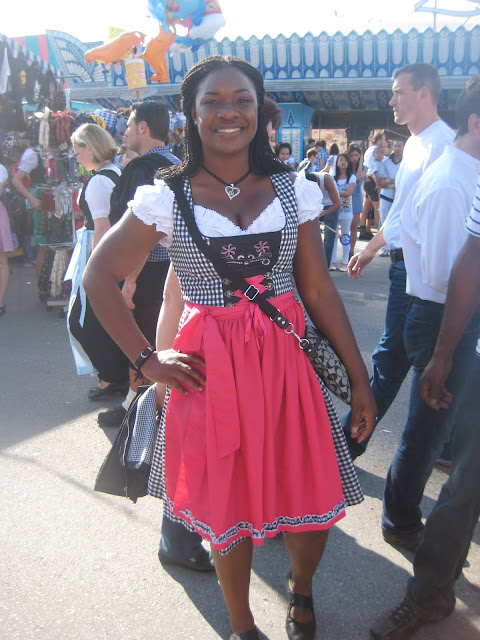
[224, 270]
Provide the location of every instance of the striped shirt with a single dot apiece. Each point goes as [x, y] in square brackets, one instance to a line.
[473, 227]
[473, 220]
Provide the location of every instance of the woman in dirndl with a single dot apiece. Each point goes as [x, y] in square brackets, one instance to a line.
[251, 445]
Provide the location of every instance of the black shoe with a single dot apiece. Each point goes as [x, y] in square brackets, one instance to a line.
[111, 418]
[114, 387]
[408, 541]
[246, 635]
[365, 235]
[202, 562]
[299, 630]
[403, 621]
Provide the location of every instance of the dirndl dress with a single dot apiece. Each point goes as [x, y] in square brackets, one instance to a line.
[260, 449]
[6, 240]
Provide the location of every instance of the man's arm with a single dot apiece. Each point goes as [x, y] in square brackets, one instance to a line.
[360, 260]
[462, 299]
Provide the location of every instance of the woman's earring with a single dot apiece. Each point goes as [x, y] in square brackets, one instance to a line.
[195, 122]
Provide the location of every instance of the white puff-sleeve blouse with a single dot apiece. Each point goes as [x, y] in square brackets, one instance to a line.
[153, 204]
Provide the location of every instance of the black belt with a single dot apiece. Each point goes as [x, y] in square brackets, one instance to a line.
[386, 198]
[396, 255]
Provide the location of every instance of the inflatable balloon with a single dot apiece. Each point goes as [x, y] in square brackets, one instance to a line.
[155, 55]
[201, 31]
[116, 49]
[185, 11]
[158, 10]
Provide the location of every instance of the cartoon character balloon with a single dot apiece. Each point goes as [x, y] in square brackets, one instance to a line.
[155, 55]
[116, 49]
[184, 25]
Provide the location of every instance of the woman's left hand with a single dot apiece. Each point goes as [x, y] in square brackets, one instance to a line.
[364, 412]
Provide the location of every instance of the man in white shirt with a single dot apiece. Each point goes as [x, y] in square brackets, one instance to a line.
[416, 89]
[442, 552]
[432, 229]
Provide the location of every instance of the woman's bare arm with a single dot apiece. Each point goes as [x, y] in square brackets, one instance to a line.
[118, 253]
[325, 308]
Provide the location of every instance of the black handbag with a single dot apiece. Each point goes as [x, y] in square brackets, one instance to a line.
[117, 476]
[324, 359]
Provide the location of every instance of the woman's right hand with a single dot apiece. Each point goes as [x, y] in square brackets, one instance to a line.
[176, 369]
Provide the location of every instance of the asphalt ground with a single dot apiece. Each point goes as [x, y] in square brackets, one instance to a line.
[79, 565]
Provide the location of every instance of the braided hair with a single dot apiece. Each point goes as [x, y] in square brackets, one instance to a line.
[261, 159]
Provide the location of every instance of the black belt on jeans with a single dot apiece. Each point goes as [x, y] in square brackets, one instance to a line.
[396, 255]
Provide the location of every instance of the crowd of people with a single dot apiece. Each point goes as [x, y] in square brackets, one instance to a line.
[249, 444]
[365, 183]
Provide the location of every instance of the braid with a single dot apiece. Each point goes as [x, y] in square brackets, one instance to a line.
[261, 158]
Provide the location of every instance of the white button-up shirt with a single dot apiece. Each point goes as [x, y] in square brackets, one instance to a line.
[433, 222]
[419, 153]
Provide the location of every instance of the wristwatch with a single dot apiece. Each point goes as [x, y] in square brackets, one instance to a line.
[143, 357]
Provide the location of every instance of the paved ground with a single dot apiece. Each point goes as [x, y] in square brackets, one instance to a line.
[77, 565]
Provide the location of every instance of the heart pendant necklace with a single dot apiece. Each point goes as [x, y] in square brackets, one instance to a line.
[231, 188]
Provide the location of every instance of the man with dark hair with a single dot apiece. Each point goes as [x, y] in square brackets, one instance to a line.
[417, 108]
[421, 75]
[434, 232]
[147, 133]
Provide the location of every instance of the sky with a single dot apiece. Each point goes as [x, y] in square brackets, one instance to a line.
[89, 20]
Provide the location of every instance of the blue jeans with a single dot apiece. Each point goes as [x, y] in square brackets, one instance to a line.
[390, 362]
[328, 236]
[426, 430]
[449, 529]
[27, 248]
[177, 542]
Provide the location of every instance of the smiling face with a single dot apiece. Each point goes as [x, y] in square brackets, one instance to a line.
[226, 111]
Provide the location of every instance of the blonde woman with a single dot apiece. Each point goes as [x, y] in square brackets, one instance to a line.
[92, 347]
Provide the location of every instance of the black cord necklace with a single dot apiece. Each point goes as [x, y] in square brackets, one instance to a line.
[231, 188]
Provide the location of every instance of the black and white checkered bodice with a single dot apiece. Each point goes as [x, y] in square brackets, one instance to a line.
[267, 256]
